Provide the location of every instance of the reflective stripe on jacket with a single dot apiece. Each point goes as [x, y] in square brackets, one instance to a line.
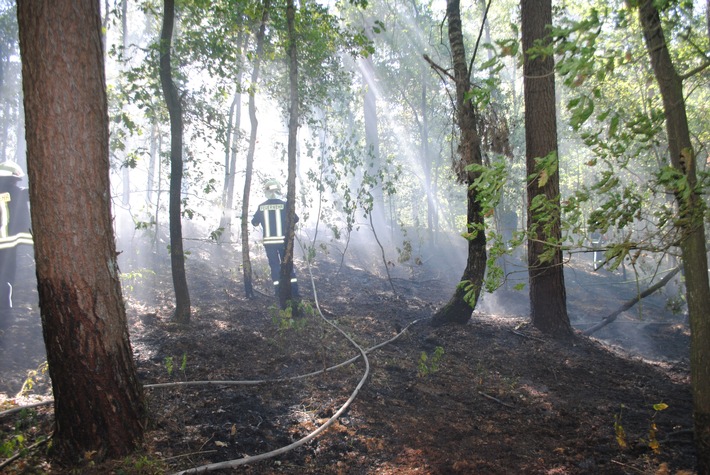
[14, 217]
[272, 216]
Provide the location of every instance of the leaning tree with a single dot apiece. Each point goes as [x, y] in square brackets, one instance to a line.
[460, 307]
[691, 219]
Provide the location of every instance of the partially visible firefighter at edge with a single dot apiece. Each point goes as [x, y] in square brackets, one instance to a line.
[14, 230]
[272, 215]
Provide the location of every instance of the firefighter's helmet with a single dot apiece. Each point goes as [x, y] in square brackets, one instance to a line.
[11, 169]
[272, 188]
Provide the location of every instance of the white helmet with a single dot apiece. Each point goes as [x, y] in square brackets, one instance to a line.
[272, 188]
[10, 168]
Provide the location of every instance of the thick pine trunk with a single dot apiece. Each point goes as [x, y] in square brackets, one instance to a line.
[548, 305]
[691, 222]
[172, 100]
[99, 407]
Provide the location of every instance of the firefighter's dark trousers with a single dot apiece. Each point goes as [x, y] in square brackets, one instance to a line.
[275, 254]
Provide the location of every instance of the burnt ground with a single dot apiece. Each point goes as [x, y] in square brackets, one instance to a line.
[500, 399]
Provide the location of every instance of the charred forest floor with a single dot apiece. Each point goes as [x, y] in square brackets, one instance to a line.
[493, 396]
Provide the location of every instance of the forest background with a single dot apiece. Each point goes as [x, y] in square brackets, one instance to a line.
[378, 132]
[378, 137]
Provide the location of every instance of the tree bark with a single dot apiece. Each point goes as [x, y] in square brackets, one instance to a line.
[172, 100]
[98, 402]
[691, 222]
[246, 260]
[548, 305]
[285, 293]
[459, 308]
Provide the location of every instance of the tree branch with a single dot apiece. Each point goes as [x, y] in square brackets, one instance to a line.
[478, 40]
[630, 303]
[441, 71]
[695, 71]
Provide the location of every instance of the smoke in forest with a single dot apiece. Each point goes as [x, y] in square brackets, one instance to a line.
[375, 190]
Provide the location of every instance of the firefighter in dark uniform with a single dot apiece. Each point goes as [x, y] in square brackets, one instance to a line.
[271, 215]
[14, 231]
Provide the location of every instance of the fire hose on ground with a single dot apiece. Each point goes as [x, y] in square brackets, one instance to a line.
[274, 453]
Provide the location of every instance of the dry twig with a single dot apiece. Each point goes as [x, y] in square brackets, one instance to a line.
[488, 396]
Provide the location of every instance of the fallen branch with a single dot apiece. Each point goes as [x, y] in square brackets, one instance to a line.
[627, 466]
[525, 335]
[630, 303]
[488, 396]
[671, 436]
[28, 406]
[202, 452]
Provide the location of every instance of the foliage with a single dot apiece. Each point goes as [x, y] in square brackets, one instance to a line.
[615, 178]
[619, 431]
[323, 42]
[141, 465]
[17, 441]
[135, 277]
[170, 364]
[344, 183]
[428, 365]
[291, 318]
[168, 360]
[9, 447]
[34, 377]
[616, 108]
[652, 441]
[489, 185]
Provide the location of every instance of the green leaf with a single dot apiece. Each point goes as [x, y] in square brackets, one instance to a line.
[661, 406]
[542, 179]
[614, 125]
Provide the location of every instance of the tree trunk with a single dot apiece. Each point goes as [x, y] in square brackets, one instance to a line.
[152, 154]
[460, 306]
[691, 208]
[126, 180]
[372, 139]
[172, 100]
[99, 406]
[548, 304]
[246, 261]
[285, 294]
[230, 141]
[427, 164]
[5, 126]
[230, 153]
